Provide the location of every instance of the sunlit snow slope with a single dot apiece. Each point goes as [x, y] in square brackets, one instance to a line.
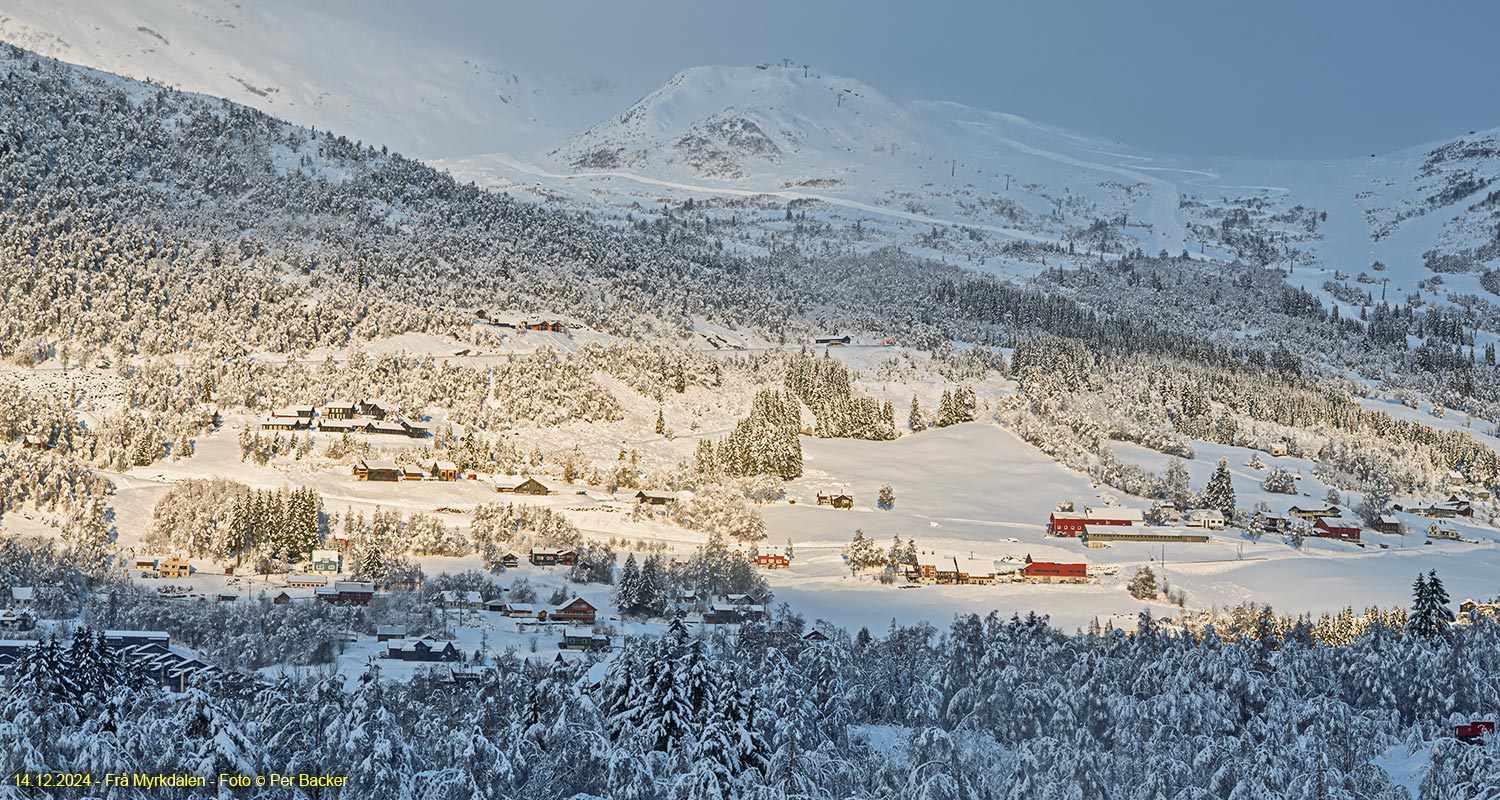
[784, 133]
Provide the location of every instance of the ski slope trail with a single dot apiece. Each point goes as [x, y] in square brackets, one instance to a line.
[1170, 233]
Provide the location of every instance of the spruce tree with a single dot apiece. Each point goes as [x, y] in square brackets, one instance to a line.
[945, 409]
[1430, 615]
[1219, 493]
[627, 591]
[651, 596]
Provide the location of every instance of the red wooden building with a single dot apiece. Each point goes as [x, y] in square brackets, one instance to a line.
[358, 593]
[1336, 528]
[772, 561]
[1071, 523]
[1054, 572]
[1474, 732]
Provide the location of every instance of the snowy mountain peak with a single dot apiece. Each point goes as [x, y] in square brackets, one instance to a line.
[727, 122]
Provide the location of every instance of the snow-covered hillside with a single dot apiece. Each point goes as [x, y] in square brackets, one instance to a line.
[844, 150]
[309, 64]
[852, 153]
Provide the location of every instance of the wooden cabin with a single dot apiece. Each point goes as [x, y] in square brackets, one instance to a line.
[655, 498]
[577, 611]
[372, 470]
[174, 567]
[339, 411]
[836, 499]
[550, 557]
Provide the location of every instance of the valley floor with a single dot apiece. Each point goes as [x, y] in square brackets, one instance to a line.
[966, 491]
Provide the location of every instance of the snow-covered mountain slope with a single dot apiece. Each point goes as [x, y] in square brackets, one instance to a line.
[849, 154]
[1444, 197]
[312, 65]
[802, 134]
[937, 178]
[1425, 219]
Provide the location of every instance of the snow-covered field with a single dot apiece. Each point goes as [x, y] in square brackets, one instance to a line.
[970, 491]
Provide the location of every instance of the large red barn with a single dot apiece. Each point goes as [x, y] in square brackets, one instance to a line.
[1071, 523]
[1337, 528]
[1054, 572]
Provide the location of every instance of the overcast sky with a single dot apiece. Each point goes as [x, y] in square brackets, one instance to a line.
[1267, 78]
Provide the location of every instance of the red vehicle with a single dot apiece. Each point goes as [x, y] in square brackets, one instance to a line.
[1474, 732]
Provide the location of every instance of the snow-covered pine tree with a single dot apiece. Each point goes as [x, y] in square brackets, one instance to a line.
[627, 589]
[1430, 615]
[1377, 498]
[1176, 483]
[1219, 493]
[651, 594]
[1280, 481]
[1143, 584]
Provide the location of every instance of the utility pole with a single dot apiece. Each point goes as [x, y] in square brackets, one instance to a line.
[952, 167]
[1007, 181]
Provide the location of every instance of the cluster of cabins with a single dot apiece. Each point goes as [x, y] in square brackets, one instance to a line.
[364, 416]
[577, 611]
[150, 651]
[549, 325]
[527, 485]
[369, 469]
[1454, 506]
[1098, 527]
[931, 569]
[1324, 522]
[576, 617]
[964, 572]
[421, 648]
[731, 609]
